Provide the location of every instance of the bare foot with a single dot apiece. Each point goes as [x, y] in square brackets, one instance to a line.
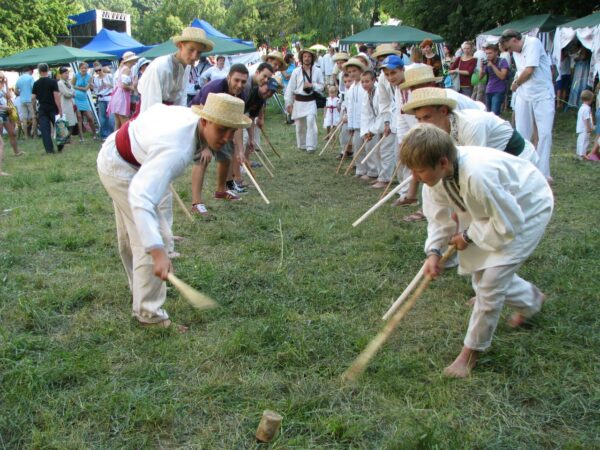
[517, 319]
[463, 364]
[4, 174]
[165, 324]
[379, 185]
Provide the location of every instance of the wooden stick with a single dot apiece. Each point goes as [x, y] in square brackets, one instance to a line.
[405, 294]
[391, 179]
[262, 161]
[331, 137]
[256, 184]
[381, 202]
[365, 159]
[356, 155]
[266, 157]
[360, 363]
[269, 142]
[194, 298]
[343, 156]
[178, 198]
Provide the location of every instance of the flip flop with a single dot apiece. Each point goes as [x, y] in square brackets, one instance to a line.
[415, 217]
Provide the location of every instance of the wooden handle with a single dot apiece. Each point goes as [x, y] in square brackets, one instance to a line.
[381, 201]
[360, 363]
[269, 142]
[262, 161]
[366, 158]
[264, 155]
[331, 137]
[194, 298]
[249, 173]
[356, 155]
[178, 199]
[405, 294]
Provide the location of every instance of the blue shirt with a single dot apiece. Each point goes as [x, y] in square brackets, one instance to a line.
[25, 86]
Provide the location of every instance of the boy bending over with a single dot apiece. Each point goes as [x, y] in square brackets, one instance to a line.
[503, 204]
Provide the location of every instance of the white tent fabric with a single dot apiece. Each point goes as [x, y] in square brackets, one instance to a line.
[589, 38]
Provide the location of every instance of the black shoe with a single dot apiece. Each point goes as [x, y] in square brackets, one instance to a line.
[255, 165]
[60, 147]
[236, 188]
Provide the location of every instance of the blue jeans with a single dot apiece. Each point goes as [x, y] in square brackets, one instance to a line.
[494, 101]
[107, 124]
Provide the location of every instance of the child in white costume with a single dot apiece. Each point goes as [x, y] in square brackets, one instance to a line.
[331, 117]
[355, 67]
[584, 126]
[503, 204]
[370, 127]
[136, 165]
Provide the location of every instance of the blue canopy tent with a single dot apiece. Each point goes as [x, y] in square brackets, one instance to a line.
[213, 32]
[115, 43]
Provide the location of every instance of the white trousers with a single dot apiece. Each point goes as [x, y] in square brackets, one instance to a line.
[166, 209]
[306, 132]
[149, 292]
[494, 287]
[357, 143]
[583, 142]
[371, 167]
[403, 172]
[344, 137]
[540, 113]
[387, 158]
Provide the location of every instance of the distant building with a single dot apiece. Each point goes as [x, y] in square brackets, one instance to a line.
[88, 24]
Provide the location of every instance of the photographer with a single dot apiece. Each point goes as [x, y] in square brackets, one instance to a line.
[496, 69]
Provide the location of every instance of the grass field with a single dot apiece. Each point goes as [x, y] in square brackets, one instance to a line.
[76, 372]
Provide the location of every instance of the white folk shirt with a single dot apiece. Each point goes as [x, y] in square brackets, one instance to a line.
[165, 80]
[331, 115]
[164, 141]
[296, 87]
[584, 113]
[539, 86]
[504, 201]
[387, 102]
[327, 65]
[354, 97]
[481, 129]
[370, 121]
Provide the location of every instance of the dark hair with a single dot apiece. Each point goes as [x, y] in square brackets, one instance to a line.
[507, 35]
[43, 67]
[220, 57]
[240, 68]
[490, 46]
[288, 57]
[63, 70]
[263, 66]
[362, 48]
[370, 73]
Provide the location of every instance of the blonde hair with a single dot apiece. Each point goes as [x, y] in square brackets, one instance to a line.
[424, 145]
[587, 95]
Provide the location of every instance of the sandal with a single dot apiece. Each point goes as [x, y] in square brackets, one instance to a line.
[405, 201]
[415, 217]
[19, 153]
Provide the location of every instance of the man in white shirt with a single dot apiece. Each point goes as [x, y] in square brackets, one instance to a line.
[534, 105]
[327, 64]
[216, 72]
[136, 165]
[306, 83]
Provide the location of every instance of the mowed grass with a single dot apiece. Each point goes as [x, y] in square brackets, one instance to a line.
[77, 372]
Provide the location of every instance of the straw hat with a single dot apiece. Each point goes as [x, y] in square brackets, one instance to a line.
[355, 62]
[279, 57]
[225, 110]
[129, 56]
[193, 34]
[341, 56]
[419, 74]
[384, 50]
[307, 50]
[428, 97]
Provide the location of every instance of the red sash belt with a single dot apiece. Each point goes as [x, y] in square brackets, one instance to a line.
[124, 144]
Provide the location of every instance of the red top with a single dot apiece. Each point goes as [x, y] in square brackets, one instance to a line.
[469, 66]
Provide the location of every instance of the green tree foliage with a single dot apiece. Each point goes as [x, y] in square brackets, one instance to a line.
[457, 20]
[26, 24]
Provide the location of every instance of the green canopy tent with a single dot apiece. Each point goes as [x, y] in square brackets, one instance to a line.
[389, 33]
[222, 47]
[53, 56]
[544, 26]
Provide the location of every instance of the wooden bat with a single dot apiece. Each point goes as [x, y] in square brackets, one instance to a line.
[193, 297]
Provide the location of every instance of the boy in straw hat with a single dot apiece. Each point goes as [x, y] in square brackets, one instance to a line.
[136, 165]
[468, 126]
[503, 204]
[165, 79]
[304, 86]
[354, 67]
[339, 60]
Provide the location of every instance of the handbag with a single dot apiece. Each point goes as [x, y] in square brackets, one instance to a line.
[13, 114]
